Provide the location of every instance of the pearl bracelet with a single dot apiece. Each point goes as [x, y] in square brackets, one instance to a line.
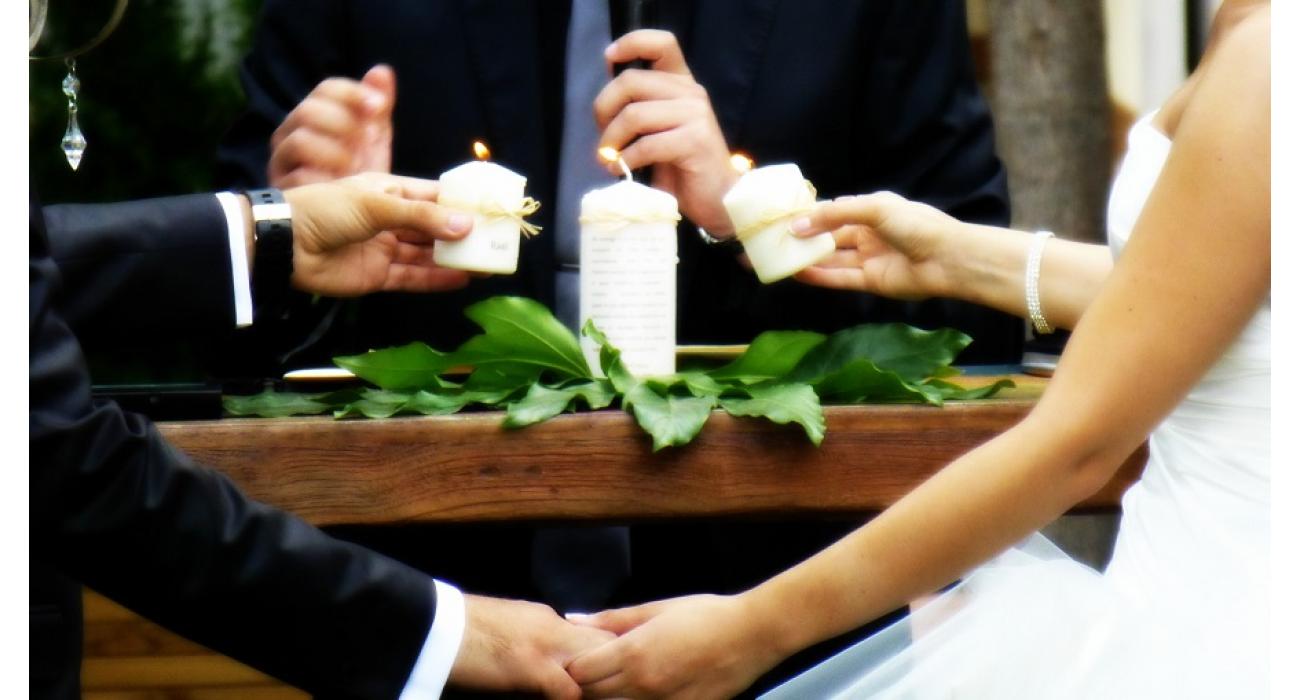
[1032, 265]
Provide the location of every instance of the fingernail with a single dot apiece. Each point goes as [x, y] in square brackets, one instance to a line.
[802, 224]
[459, 223]
[577, 617]
[610, 50]
[374, 101]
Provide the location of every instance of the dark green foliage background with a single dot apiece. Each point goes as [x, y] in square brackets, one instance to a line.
[156, 98]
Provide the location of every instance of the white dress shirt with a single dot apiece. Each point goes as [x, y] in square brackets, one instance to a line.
[433, 665]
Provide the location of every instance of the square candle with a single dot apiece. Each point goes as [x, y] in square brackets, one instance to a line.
[761, 206]
[495, 197]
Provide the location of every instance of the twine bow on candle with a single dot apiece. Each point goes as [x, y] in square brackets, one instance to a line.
[766, 217]
[493, 210]
[613, 218]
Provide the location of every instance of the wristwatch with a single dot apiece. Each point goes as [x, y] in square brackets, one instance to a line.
[273, 246]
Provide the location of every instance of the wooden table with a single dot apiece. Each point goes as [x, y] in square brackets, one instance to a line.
[588, 467]
[598, 465]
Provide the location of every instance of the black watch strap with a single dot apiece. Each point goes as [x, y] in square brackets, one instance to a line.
[273, 244]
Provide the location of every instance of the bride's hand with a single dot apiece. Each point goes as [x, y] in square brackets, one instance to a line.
[886, 244]
[701, 646]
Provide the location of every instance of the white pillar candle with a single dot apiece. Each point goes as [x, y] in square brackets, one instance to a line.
[495, 197]
[761, 206]
[628, 279]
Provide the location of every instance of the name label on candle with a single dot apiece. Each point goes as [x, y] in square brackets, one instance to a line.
[628, 279]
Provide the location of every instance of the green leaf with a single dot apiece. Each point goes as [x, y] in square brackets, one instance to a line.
[911, 353]
[782, 403]
[543, 402]
[520, 333]
[275, 404]
[611, 360]
[670, 420]
[861, 380]
[772, 354]
[598, 394]
[376, 403]
[437, 404]
[953, 392]
[695, 382]
[409, 367]
[539, 404]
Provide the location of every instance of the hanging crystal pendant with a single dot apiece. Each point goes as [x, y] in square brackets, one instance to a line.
[74, 142]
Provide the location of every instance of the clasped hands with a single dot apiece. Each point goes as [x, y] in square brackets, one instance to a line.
[700, 646]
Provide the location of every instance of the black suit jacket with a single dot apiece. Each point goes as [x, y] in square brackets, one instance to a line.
[114, 506]
[862, 94]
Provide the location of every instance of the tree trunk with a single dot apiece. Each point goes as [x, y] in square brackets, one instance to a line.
[1051, 109]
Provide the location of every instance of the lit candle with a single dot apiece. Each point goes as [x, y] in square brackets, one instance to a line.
[495, 197]
[628, 283]
[761, 206]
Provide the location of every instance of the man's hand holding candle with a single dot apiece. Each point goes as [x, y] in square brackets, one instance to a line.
[663, 118]
[369, 233]
[341, 128]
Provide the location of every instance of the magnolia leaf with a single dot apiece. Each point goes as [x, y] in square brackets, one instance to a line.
[275, 404]
[598, 394]
[695, 382]
[950, 391]
[670, 420]
[502, 380]
[543, 402]
[772, 354]
[539, 404]
[520, 333]
[782, 403]
[861, 380]
[611, 360]
[376, 404]
[405, 368]
[435, 404]
[910, 353]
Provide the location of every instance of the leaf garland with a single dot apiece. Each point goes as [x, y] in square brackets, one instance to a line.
[527, 362]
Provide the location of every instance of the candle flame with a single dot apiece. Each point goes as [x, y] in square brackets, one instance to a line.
[481, 150]
[741, 163]
[611, 155]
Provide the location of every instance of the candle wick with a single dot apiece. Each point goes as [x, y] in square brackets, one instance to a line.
[627, 172]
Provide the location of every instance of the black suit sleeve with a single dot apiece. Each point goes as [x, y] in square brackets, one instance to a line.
[115, 506]
[929, 129]
[135, 271]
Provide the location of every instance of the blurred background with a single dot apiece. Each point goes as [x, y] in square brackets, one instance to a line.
[166, 81]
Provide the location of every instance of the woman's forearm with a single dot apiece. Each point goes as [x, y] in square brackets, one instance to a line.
[976, 507]
[986, 265]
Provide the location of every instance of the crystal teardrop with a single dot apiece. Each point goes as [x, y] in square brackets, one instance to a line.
[74, 143]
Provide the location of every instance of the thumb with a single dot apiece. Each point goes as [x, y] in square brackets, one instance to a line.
[619, 621]
[868, 209]
[383, 79]
[383, 211]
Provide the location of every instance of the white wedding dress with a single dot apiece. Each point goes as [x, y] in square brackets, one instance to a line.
[1182, 609]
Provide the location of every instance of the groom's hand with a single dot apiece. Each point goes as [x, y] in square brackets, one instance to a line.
[514, 645]
[369, 233]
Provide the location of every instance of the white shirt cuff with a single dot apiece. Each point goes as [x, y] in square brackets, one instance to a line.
[235, 229]
[433, 666]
